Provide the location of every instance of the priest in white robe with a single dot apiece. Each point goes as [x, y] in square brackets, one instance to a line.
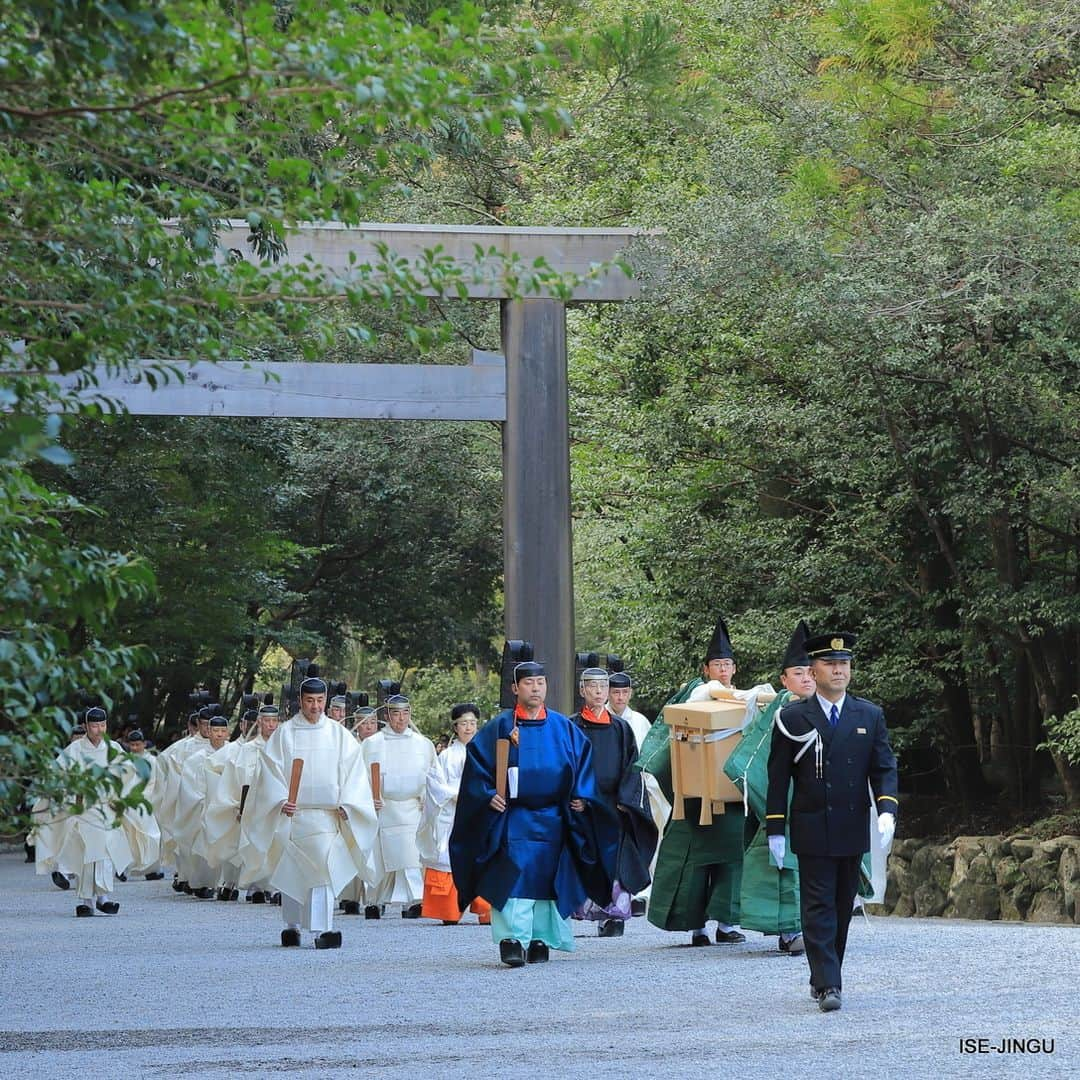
[405, 758]
[231, 773]
[170, 765]
[85, 846]
[191, 800]
[440, 804]
[311, 846]
[140, 825]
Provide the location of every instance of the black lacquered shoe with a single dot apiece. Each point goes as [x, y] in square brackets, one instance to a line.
[107, 907]
[350, 907]
[700, 940]
[84, 911]
[511, 953]
[373, 911]
[328, 939]
[60, 881]
[257, 897]
[729, 937]
[205, 893]
[538, 953]
[290, 939]
[637, 908]
[121, 877]
[411, 912]
[155, 877]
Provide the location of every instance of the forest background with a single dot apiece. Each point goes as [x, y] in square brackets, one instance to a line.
[848, 393]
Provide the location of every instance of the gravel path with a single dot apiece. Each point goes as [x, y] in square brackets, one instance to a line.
[174, 985]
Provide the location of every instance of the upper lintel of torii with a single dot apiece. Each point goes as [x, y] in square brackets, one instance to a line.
[340, 249]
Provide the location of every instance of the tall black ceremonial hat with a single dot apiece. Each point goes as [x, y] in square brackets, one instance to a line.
[795, 655]
[835, 646]
[312, 684]
[720, 644]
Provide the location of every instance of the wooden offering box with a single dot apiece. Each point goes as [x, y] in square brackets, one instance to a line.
[699, 749]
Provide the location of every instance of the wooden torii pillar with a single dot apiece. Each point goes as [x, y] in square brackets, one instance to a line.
[526, 389]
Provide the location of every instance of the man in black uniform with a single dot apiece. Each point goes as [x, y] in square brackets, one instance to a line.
[830, 744]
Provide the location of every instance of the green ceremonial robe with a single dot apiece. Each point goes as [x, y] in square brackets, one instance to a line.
[769, 899]
[699, 867]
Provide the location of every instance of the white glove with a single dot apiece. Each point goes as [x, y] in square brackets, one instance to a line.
[778, 847]
[886, 826]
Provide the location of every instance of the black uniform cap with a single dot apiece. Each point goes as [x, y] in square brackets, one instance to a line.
[620, 680]
[835, 646]
[397, 701]
[96, 715]
[136, 736]
[312, 686]
[219, 721]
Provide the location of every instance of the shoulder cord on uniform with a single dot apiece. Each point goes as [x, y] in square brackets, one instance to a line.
[813, 736]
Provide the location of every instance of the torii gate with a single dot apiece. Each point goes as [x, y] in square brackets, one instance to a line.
[525, 389]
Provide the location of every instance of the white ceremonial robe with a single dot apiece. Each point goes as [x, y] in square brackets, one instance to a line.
[84, 846]
[404, 763]
[187, 823]
[170, 763]
[230, 770]
[314, 854]
[440, 804]
[141, 826]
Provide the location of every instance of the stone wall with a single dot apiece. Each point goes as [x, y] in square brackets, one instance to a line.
[986, 877]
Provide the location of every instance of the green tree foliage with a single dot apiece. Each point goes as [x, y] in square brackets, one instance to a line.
[129, 130]
[852, 393]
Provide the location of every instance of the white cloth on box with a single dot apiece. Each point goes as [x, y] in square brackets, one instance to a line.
[84, 845]
[315, 846]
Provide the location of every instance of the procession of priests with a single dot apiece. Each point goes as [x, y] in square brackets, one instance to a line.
[750, 810]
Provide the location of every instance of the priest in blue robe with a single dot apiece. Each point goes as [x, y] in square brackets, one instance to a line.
[533, 854]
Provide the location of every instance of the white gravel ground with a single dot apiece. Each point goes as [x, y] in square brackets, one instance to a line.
[175, 986]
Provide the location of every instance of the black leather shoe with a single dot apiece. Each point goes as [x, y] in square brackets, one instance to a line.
[290, 939]
[610, 928]
[177, 885]
[107, 907]
[203, 893]
[795, 946]
[637, 908]
[257, 897]
[829, 1000]
[372, 911]
[700, 939]
[328, 939]
[510, 953]
[121, 877]
[411, 912]
[155, 877]
[224, 894]
[60, 881]
[729, 937]
[350, 907]
[275, 898]
[84, 911]
[538, 953]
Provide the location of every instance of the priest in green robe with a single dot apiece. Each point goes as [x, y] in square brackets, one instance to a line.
[769, 898]
[698, 874]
